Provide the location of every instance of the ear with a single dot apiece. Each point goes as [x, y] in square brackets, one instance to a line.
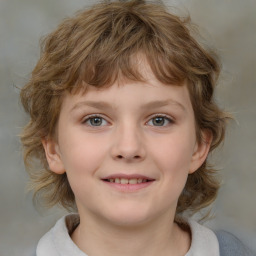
[53, 155]
[201, 151]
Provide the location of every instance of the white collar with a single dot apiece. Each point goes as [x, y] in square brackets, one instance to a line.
[204, 241]
[58, 241]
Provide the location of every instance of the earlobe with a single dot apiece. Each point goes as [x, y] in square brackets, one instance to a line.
[201, 151]
[53, 156]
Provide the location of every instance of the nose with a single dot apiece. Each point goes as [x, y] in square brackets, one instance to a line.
[128, 144]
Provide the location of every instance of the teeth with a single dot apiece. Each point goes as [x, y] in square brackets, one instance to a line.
[127, 181]
[139, 180]
[133, 181]
[124, 181]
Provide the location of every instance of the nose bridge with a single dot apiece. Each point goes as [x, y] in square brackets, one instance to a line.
[128, 141]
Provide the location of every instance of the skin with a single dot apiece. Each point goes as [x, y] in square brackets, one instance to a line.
[144, 128]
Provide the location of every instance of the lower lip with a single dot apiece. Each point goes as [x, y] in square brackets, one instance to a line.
[128, 187]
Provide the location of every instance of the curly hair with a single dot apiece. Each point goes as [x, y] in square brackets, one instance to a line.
[95, 47]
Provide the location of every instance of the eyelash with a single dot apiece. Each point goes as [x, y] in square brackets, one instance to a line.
[166, 118]
[88, 118]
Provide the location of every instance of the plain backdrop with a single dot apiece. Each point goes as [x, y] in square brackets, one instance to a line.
[228, 25]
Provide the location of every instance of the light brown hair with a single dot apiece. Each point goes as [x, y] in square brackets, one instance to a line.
[97, 46]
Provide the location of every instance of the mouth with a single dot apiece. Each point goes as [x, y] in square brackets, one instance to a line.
[132, 181]
[128, 183]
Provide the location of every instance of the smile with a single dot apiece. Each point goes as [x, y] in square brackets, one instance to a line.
[128, 183]
[132, 181]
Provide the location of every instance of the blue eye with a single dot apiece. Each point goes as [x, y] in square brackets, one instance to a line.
[95, 121]
[160, 121]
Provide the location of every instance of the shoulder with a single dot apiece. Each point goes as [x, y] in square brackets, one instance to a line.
[57, 241]
[46, 245]
[230, 245]
[208, 242]
[203, 240]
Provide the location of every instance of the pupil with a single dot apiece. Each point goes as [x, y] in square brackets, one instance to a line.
[158, 121]
[96, 121]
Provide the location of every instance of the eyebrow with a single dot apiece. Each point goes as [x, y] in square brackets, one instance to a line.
[101, 105]
[163, 103]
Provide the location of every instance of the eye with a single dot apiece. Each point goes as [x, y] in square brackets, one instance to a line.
[160, 121]
[95, 121]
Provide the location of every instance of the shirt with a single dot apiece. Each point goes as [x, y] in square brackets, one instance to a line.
[58, 241]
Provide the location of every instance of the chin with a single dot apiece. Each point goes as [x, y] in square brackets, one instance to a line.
[129, 217]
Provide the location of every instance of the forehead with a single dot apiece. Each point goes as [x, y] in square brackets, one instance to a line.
[134, 67]
[132, 95]
[148, 91]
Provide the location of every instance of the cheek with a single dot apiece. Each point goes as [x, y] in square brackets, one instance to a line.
[82, 154]
[174, 152]
[82, 158]
[172, 159]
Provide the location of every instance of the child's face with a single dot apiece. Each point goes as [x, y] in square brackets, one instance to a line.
[140, 133]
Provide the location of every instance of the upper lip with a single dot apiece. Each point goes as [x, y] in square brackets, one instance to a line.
[127, 176]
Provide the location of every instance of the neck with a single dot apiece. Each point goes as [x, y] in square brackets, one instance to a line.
[162, 237]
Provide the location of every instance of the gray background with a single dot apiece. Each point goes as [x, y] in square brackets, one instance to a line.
[229, 25]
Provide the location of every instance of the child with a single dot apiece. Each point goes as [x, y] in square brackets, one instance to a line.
[122, 120]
